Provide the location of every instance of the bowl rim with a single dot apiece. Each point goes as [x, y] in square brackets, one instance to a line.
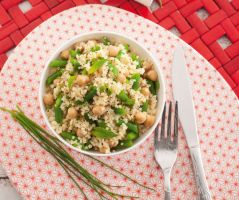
[160, 104]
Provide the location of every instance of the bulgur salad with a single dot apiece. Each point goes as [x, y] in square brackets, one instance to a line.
[100, 95]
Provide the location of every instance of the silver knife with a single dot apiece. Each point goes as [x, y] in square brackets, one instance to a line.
[182, 93]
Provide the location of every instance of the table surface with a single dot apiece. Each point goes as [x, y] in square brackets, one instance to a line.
[211, 27]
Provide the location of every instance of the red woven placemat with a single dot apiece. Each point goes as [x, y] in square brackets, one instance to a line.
[220, 19]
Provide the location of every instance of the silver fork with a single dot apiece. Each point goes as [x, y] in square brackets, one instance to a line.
[165, 151]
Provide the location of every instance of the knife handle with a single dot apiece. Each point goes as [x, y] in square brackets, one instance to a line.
[203, 190]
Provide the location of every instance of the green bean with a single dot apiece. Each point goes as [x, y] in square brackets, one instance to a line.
[113, 69]
[71, 80]
[122, 96]
[139, 65]
[58, 115]
[58, 101]
[68, 135]
[95, 48]
[109, 91]
[132, 127]
[78, 51]
[90, 94]
[136, 78]
[120, 54]
[78, 102]
[124, 144]
[130, 102]
[75, 63]
[58, 111]
[58, 63]
[86, 146]
[120, 122]
[120, 111]
[52, 77]
[84, 72]
[88, 119]
[105, 41]
[135, 58]
[157, 85]
[153, 86]
[103, 133]
[73, 53]
[105, 88]
[131, 136]
[101, 123]
[71, 136]
[145, 106]
[96, 65]
[126, 46]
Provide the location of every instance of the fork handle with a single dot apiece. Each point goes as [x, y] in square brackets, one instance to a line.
[167, 195]
[167, 188]
[203, 190]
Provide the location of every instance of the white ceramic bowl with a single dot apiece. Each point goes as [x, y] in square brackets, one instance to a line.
[138, 49]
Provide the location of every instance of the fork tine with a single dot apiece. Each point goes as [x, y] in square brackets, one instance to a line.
[169, 122]
[175, 134]
[156, 134]
[163, 123]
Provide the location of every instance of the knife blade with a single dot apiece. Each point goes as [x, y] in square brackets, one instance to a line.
[186, 112]
[182, 93]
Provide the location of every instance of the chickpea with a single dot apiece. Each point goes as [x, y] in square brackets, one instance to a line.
[121, 78]
[48, 99]
[82, 80]
[52, 70]
[149, 121]
[47, 90]
[113, 51]
[125, 60]
[56, 81]
[71, 113]
[145, 91]
[140, 117]
[100, 71]
[80, 46]
[79, 133]
[98, 110]
[65, 54]
[104, 149]
[126, 73]
[113, 143]
[147, 65]
[92, 43]
[152, 75]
